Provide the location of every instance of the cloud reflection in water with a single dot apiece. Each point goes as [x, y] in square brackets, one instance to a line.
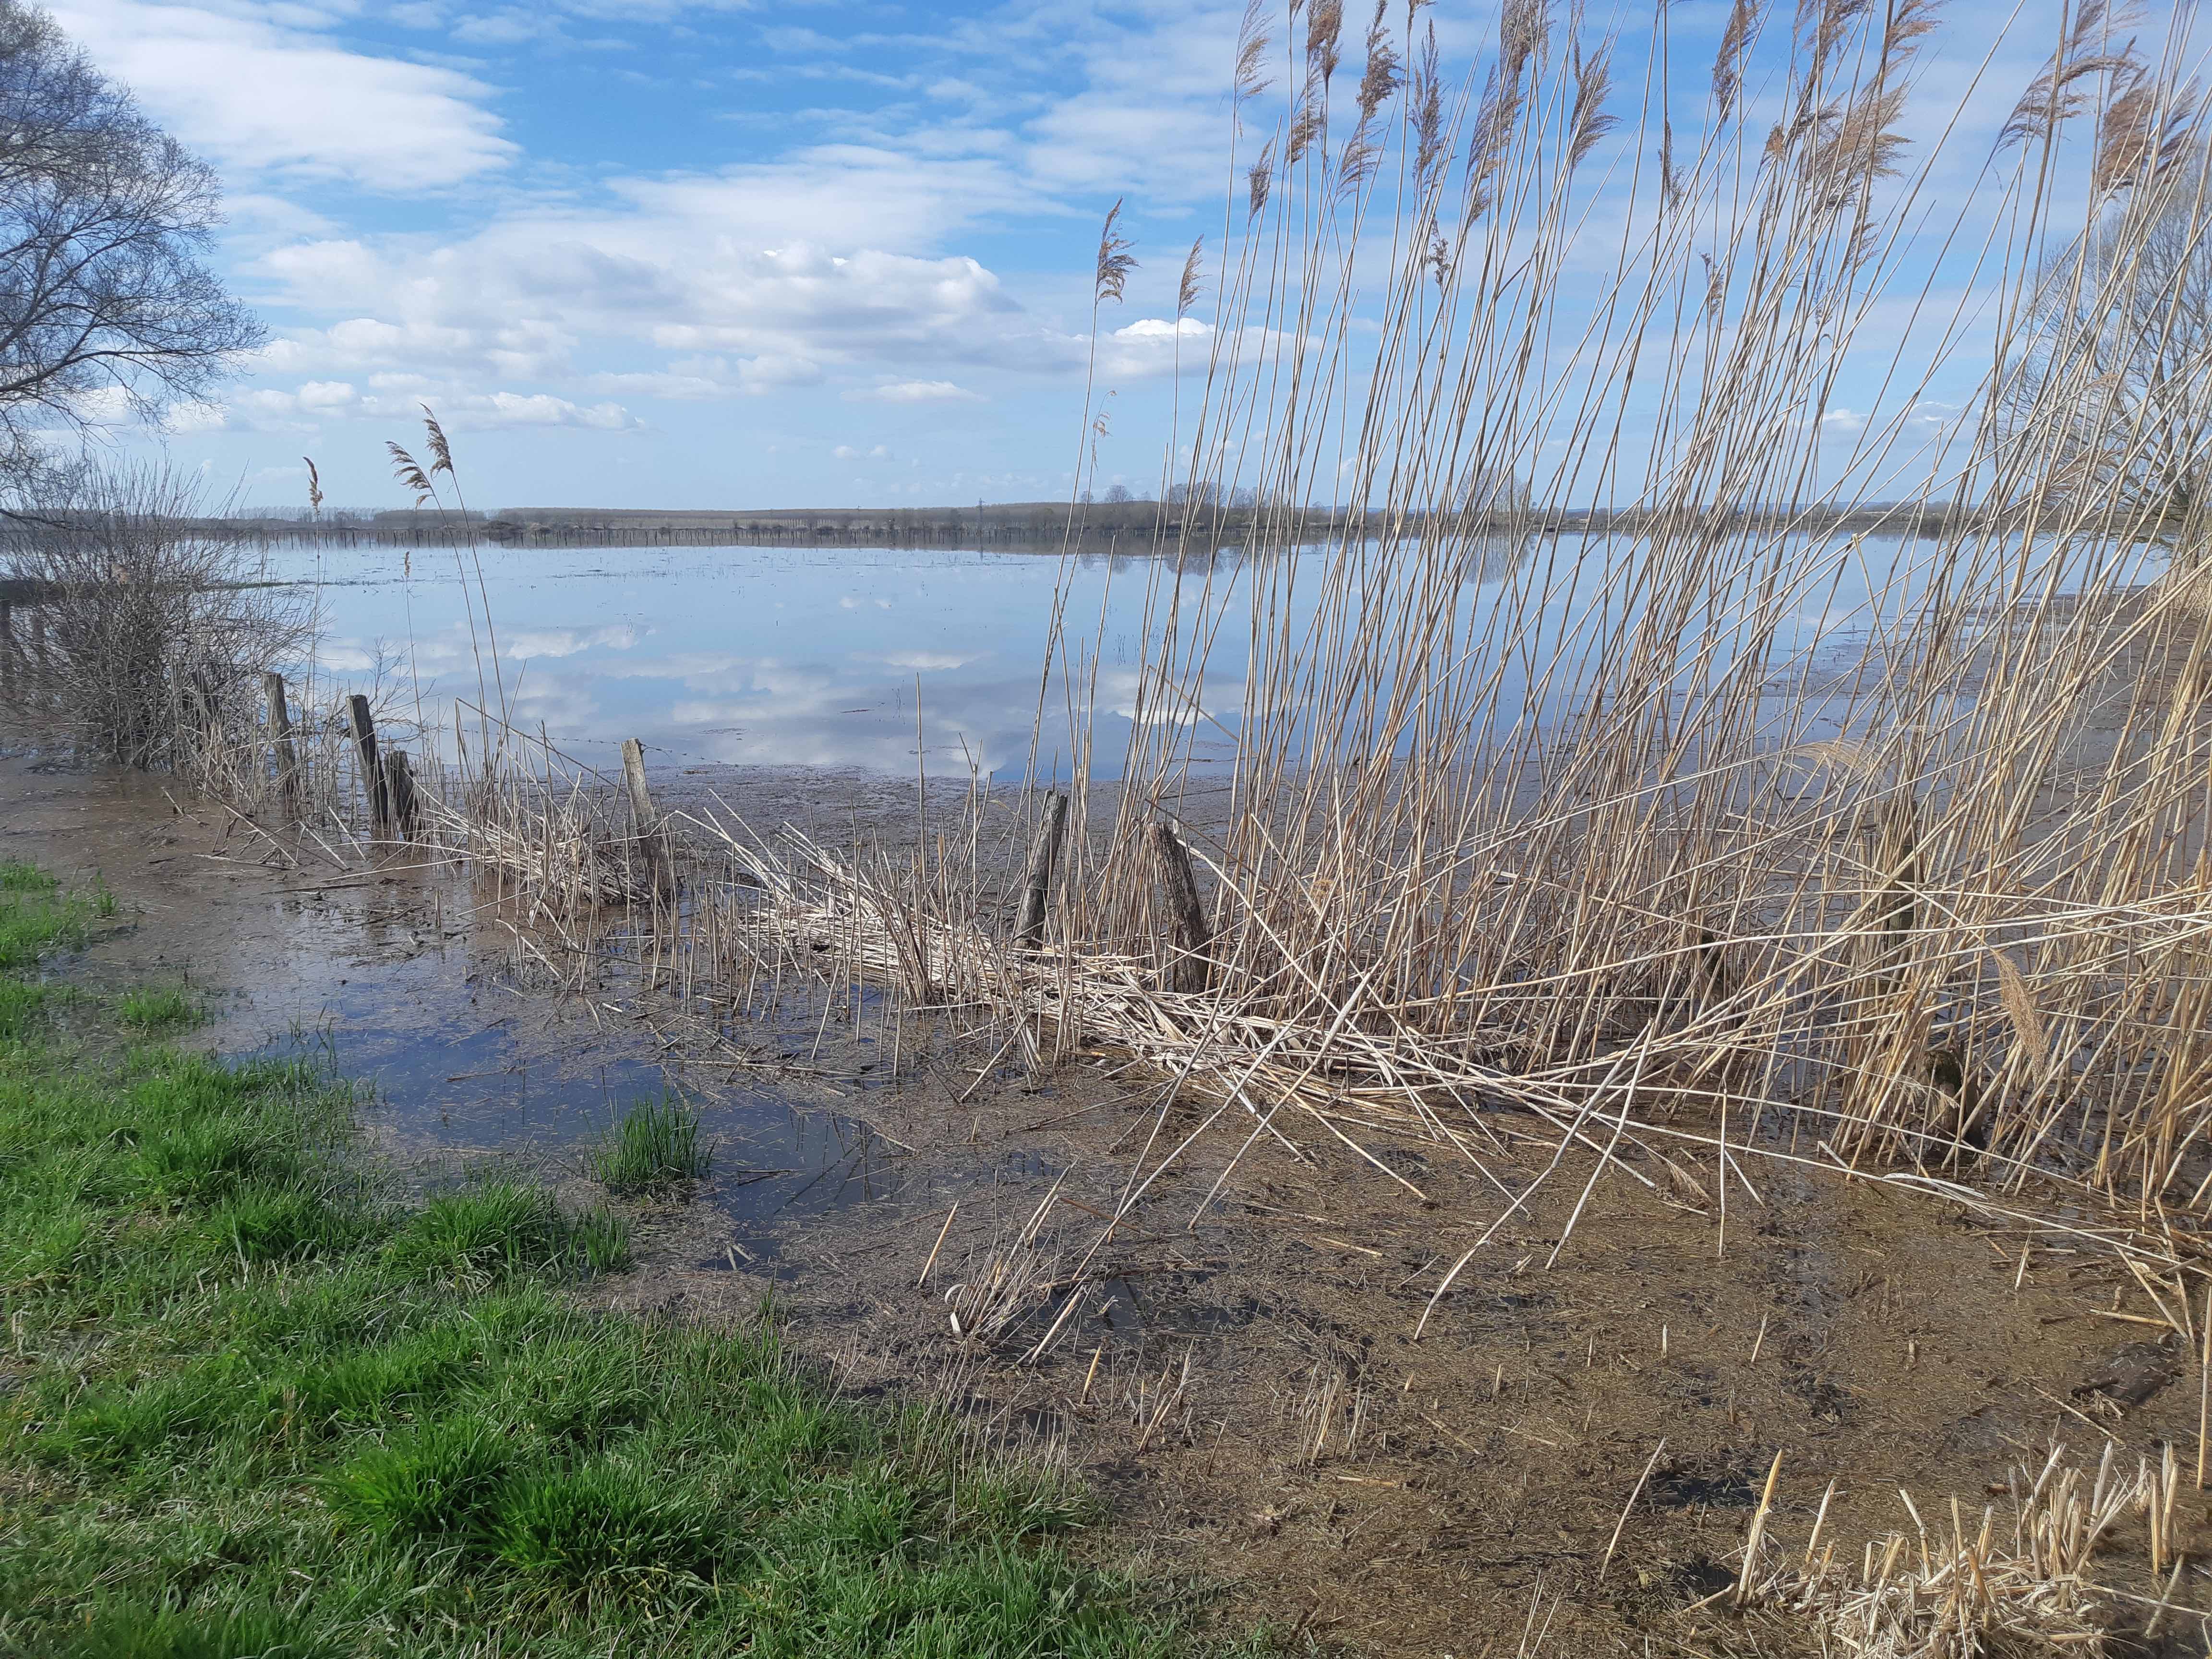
[754, 656]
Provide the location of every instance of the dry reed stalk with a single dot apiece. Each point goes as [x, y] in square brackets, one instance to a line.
[1942, 909]
[1977, 1591]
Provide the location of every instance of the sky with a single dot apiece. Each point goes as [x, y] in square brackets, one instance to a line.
[653, 252]
[647, 253]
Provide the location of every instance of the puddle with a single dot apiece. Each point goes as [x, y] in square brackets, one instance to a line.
[456, 1060]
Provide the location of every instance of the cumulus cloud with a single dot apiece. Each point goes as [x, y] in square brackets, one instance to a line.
[705, 379]
[833, 264]
[520, 299]
[522, 349]
[259, 88]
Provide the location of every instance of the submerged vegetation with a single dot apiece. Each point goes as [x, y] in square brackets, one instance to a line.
[256, 1405]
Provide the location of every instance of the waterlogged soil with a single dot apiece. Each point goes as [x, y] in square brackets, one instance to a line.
[1238, 1371]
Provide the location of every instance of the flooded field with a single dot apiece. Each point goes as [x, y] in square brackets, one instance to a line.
[1568, 1456]
[400, 975]
[825, 658]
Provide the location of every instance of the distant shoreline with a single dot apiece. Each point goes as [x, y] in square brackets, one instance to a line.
[1021, 526]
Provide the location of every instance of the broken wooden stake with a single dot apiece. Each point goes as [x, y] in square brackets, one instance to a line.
[1188, 934]
[372, 775]
[280, 736]
[1044, 854]
[399, 793]
[651, 842]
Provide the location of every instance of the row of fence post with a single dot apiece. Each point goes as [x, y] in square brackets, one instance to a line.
[387, 777]
[388, 780]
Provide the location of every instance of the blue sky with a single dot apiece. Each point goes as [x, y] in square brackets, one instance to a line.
[650, 252]
[669, 253]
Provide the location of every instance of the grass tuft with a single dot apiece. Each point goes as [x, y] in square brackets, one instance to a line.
[428, 1484]
[36, 915]
[653, 1148]
[152, 1010]
[493, 1229]
[606, 1526]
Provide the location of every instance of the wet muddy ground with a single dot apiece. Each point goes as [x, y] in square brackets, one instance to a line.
[1235, 1368]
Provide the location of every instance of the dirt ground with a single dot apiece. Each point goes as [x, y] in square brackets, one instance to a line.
[1235, 1369]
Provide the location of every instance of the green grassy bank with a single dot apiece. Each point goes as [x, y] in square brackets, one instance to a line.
[250, 1405]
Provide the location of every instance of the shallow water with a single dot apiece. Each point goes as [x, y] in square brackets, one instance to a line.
[867, 660]
[826, 658]
[402, 981]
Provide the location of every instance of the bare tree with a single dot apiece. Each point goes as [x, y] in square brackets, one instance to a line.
[103, 220]
[2107, 409]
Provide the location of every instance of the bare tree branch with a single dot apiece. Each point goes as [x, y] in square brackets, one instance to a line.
[104, 306]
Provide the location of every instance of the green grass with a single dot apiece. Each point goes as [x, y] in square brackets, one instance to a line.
[653, 1148]
[36, 915]
[249, 1404]
[150, 1009]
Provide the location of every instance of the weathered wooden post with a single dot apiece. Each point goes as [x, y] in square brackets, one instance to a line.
[1044, 854]
[280, 735]
[207, 718]
[399, 793]
[651, 842]
[1188, 933]
[372, 775]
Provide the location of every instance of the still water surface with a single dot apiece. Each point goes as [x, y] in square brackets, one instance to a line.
[741, 656]
[844, 657]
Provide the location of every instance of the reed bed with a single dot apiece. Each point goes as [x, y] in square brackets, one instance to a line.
[1598, 844]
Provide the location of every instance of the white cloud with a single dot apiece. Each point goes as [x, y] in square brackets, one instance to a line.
[305, 408]
[903, 200]
[256, 87]
[517, 302]
[194, 417]
[915, 391]
[510, 26]
[523, 349]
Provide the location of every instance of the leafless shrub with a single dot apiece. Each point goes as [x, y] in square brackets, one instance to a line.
[156, 626]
